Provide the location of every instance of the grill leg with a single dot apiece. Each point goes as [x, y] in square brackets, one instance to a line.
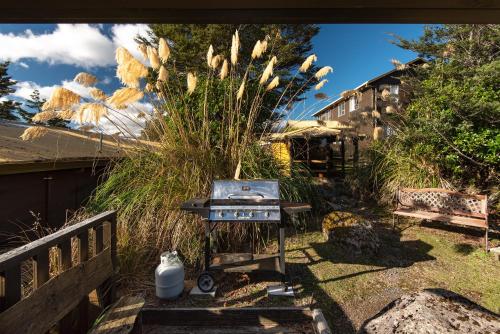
[282, 252]
[207, 245]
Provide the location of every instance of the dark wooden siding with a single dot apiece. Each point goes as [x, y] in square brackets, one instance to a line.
[49, 195]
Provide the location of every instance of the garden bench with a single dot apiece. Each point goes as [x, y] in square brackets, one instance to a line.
[445, 206]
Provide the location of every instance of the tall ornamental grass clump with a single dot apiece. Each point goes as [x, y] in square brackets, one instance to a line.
[203, 126]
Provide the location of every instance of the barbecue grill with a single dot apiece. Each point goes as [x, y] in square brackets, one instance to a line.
[242, 201]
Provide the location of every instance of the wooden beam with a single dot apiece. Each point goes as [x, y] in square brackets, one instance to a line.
[121, 317]
[208, 317]
[256, 11]
[41, 310]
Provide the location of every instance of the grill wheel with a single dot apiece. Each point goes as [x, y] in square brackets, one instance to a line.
[206, 282]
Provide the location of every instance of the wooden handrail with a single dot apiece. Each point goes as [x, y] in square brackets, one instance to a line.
[38, 251]
[27, 251]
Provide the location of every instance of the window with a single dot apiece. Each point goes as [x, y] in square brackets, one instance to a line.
[353, 103]
[341, 111]
[394, 89]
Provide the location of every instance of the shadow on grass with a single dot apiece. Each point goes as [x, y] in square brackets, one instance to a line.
[464, 249]
[393, 253]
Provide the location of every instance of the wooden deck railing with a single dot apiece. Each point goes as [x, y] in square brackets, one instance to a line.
[77, 273]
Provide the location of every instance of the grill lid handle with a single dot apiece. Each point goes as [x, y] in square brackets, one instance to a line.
[244, 195]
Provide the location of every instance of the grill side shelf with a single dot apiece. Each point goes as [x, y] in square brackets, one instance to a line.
[292, 207]
[198, 206]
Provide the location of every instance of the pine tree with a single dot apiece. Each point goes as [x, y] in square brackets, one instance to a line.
[8, 108]
[290, 43]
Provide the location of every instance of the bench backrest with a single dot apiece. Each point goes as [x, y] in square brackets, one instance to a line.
[445, 201]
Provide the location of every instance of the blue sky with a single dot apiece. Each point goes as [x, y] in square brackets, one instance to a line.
[47, 55]
[357, 53]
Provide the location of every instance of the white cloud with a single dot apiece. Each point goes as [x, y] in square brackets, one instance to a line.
[25, 88]
[73, 44]
[23, 64]
[124, 34]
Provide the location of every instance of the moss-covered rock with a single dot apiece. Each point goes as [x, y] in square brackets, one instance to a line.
[352, 231]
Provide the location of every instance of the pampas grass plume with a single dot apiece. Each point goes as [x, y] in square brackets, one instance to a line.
[34, 132]
[163, 50]
[390, 110]
[268, 71]
[98, 94]
[61, 98]
[85, 79]
[323, 71]
[378, 133]
[397, 64]
[143, 49]
[90, 112]
[216, 61]
[162, 74]
[235, 46]
[307, 63]
[385, 95]
[239, 95]
[225, 70]
[124, 96]
[257, 50]
[153, 57]
[191, 82]
[44, 116]
[273, 84]
[320, 84]
[129, 69]
[210, 55]
[66, 114]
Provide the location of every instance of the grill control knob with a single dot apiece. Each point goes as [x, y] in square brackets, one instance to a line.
[221, 214]
[250, 214]
[267, 214]
[236, 214]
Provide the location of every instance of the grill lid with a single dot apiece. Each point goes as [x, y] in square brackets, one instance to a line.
[241, 191]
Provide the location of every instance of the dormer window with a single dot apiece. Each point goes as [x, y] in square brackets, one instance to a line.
[341, 111]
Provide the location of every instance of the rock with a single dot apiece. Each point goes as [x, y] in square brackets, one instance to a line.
[433, 311]
[351, 231]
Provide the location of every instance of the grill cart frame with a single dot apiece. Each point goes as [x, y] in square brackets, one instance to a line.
[243, 201]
